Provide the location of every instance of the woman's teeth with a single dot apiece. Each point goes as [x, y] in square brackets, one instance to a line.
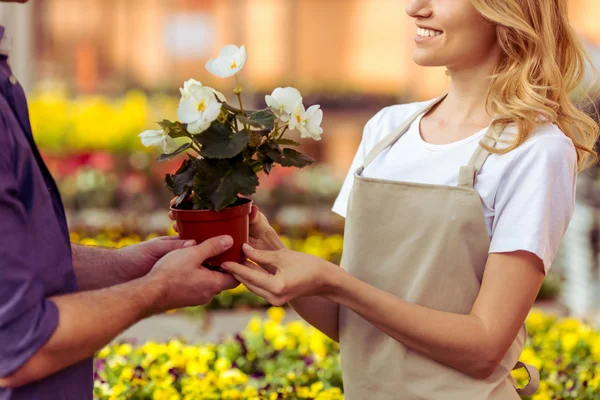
[428, 32]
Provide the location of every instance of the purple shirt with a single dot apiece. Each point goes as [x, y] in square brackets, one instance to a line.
[35, 254]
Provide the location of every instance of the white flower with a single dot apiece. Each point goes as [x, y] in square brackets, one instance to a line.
[308, 122]
[230, 61]
[283, 101]
[158, 138]
[198, 108]
[192, 83]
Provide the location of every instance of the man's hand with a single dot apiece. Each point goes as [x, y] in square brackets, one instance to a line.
[184, 282]
[91, 319]
[138, 260]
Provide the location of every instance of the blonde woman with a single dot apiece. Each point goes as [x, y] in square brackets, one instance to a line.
[455, 208]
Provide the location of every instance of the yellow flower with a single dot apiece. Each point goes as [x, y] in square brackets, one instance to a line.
[222, 364]
[255, 325]
[105, 352]
[124, 349]
[277, 314]
[569, 340]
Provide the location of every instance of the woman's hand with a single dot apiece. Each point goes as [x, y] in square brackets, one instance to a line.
[262, 234]
[283, 275]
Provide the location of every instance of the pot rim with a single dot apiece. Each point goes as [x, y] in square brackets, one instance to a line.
[212, 215]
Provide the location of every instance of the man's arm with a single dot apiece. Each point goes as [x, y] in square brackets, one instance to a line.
[98, 267]
[89, 320]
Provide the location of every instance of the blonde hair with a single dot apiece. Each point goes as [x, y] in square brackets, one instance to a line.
[543, 61]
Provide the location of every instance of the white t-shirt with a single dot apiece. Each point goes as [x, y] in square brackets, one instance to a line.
[527, 195]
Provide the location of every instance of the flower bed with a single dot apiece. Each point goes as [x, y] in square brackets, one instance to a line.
[270, 360]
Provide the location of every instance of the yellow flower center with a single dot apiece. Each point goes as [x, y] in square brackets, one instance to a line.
[299, 119]
[201, 106]
[233, 65]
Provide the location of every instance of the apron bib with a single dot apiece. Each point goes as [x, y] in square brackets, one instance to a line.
[427, 244]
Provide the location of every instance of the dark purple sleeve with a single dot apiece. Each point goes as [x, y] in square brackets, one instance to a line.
[27, 318]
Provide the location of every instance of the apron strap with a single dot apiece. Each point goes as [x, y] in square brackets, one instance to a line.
[534, 379]
[397, 133]
[468, 173]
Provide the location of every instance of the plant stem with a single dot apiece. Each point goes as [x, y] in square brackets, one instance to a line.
[238, 93]
[282, 132]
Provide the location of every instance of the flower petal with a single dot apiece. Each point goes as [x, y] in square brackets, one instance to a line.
[188, 110]
[169, 144]
[212, 111]
[289, 97]
[217, 68]
[230, 51]
[198, 126]
[151, 137]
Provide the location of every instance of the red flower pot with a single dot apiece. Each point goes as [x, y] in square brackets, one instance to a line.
[201, 225]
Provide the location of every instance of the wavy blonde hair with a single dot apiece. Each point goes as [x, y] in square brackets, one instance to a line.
[543, 61]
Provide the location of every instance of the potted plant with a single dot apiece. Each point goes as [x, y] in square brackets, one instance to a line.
[226, 148]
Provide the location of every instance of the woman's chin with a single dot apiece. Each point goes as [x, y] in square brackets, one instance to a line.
[427, 60]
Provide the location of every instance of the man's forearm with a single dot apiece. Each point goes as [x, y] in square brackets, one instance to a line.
[88, 321]
[97, 267]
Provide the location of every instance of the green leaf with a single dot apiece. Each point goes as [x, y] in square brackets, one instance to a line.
[237, 111]
[183, 179]
[219, 141]
[263, 118]
[183, 196]
[293, 158]
[221, 181]
[287, 142]
[241, 179]
[166, 124]
[174, 129]
[181, 149]
[256, 138]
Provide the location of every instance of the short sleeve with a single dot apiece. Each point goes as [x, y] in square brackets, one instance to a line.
[535, 199]
[27, 318]
[341, 203]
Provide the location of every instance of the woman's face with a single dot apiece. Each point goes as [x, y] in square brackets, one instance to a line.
[451, 33]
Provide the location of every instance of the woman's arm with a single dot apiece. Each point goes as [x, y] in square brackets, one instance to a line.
[320, 312]
[473, 344]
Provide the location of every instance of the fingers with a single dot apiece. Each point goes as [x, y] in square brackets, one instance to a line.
[166, 244]
[256, 277]
[171, 215]
[261, 257]
[253, 213]
[225, 281]
[256, 290]
[210, 248]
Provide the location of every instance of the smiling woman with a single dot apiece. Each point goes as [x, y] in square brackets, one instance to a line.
[454, 209]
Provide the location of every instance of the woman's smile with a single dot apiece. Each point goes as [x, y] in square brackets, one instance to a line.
[426, 34]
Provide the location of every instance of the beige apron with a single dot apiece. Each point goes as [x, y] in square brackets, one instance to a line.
[427, 244]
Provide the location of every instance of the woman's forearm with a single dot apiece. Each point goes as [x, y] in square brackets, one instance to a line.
[320, 312]
[459, 341]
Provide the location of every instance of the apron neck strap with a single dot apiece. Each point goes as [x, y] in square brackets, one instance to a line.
[398, 132]
[468, 174]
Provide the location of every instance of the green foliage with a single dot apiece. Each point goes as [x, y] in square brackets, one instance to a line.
[232, 151]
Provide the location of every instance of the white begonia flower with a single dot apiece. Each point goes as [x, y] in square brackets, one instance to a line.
[192, 83]
[198, 108]
[283, 101]
[158, 138]
[308, 122]
[230, 61]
